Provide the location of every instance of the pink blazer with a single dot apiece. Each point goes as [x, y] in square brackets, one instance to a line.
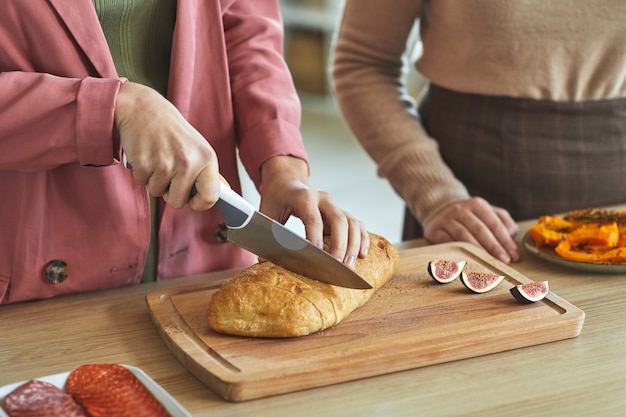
[70, 210]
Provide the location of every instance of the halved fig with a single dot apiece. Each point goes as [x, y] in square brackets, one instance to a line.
[445, 271]
[530, 292]
[480, 282]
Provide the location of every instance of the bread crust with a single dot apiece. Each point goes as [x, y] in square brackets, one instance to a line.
[266, 300]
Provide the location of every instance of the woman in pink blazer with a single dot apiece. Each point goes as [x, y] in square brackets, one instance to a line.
[73, 218]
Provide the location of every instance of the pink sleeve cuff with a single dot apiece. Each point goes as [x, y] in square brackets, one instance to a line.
[97, 141]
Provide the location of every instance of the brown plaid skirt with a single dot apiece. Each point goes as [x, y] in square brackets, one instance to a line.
[532, 157]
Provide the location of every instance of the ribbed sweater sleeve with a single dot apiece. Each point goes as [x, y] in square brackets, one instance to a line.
[368, 74]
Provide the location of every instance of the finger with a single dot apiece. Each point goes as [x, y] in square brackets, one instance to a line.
[313, 228]
[174, 195]
[507, 220]
[492, 236]
[206, 190]
[308, 212]
[438, 235]
[155, 177]
[158, 183]
[457, 230]
[140, 172]
[507, 242]
[450, 225]
[504, 229]
[501, 246]
[337, 224]
[354, 244]
[365, 241]
[339, 241]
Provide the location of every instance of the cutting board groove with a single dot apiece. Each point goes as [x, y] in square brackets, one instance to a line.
[409, 323]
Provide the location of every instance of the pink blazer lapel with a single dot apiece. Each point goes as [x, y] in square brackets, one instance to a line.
[82, 22]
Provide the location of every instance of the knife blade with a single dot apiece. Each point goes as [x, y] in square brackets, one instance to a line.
[270, 240]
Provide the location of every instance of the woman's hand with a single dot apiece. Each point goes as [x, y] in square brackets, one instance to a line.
[477, 222]
[166, 153]
[286, 192]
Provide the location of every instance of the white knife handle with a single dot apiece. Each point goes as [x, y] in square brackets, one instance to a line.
[236, 210]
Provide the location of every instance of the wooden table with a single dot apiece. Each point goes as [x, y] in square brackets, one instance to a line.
[582, 376]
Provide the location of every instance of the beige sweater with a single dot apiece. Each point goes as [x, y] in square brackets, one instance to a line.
[570, 50]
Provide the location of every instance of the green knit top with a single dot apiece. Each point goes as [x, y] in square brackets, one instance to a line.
[139, 34]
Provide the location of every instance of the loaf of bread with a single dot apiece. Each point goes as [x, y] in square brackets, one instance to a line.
[266, 300]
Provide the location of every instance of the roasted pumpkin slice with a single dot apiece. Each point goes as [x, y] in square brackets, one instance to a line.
[606, 234]
[550, 230]
[622, 235]
[566, 250]
[590, 253]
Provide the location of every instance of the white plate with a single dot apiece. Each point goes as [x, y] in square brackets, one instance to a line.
[170, 404]
[548, 253]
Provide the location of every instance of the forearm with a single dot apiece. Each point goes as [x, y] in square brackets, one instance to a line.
[368, 71]
[265, 101]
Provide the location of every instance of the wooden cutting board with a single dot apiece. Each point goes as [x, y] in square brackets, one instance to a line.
[409, 323]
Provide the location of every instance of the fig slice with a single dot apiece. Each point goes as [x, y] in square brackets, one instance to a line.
[530, 292]
[480, 282]
[444, 271]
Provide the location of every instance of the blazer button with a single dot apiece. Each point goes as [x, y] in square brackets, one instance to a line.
[56, 271]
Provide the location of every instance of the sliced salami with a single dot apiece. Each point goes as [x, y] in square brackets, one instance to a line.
[38, 399]
[112, 390]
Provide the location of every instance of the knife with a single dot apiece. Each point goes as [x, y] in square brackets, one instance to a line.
[270, 240]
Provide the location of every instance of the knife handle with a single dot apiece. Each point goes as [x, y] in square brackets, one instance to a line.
[236, 210]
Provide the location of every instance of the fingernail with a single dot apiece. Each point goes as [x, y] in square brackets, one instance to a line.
[350, 261]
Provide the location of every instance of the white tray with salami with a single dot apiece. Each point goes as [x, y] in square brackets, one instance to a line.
[169, 403]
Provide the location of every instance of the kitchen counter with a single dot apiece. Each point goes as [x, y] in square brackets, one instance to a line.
[582, 376]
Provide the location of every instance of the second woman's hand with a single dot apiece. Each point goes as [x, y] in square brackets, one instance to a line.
[476, 221]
